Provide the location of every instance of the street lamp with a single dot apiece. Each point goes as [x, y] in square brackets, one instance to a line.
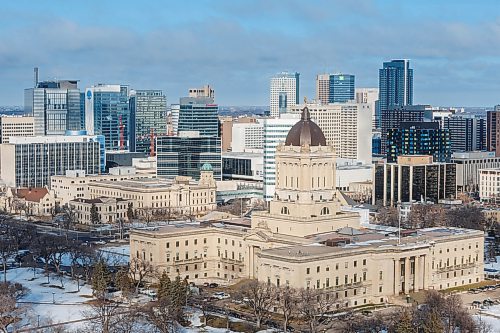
[53, 298]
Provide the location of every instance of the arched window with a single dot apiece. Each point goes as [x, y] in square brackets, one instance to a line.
[285, 211]
[325, 211]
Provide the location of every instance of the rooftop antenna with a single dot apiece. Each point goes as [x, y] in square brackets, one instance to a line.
[35, 70]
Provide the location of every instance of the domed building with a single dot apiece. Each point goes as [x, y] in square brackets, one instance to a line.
[307, 239]
[306, 201]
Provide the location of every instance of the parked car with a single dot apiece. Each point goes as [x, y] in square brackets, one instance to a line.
[221, 295]
[213, 285]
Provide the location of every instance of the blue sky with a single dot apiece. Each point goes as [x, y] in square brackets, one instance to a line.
[236, 45]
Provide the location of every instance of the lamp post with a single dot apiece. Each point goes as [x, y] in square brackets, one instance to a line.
[53, 298]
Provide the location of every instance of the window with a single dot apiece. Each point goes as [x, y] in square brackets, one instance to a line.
[168, 245]
[186, 242]
[380, 275]
[355, 263]
[308, 270]
[337, 281]
[196, 241]
[346, 264]
[380, 289]
[364, 262]
[204, 241]
[177, 244]
[364, 276]
[346, 278]
[285, 211]
[317, 269]
[325, 211]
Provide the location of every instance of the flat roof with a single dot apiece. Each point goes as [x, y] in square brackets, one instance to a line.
[142, 183]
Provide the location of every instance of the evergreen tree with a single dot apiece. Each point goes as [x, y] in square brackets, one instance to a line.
[122, 281]
[100, 280]
[405, 323]
[130, 212]
[164, 289]
[433, 324]
[94, 215]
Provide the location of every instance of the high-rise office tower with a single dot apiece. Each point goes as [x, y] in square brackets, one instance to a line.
[323, 88]
[198, 114]
[368, 96]
[107, 113]
[392, 118]
[205, 91]
[16, 126]
[341, 88]
[31, 161]
[148, 118]
[419, 138]
[346, 126]
[55, 106]
[335, 88]
[275, 132]
[492, 130]
[467, 132]
[185, 155]
[395, 84]
[284, 92]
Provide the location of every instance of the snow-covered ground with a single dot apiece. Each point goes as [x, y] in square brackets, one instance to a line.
[491, 316]
[51, 303]
[493, 265]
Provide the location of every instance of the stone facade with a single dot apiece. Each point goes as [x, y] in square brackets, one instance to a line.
[306, 240]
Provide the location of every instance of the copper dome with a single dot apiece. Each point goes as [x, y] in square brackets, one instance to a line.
[305, 132]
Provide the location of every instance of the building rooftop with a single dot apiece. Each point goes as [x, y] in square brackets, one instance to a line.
[365, 239]
[32, 194]
[145, 184]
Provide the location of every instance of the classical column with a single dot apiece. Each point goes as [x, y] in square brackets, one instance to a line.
[416, 272]
[426, 273]
[397, 276]
[407, 275]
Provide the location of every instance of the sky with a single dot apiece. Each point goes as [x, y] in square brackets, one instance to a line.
[237, 45]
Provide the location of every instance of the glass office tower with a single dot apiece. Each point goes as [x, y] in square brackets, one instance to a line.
[55, 106]
[107, 113]
[342, 88]
[395, 84]
[148, 117]
[199, 114]
[185, 155]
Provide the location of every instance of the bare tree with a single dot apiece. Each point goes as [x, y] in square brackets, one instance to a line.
[162, 314]
[7, 246]
[204, 304]
[468, 216]
[388, 216]
[10, 311]
[260, 297]
[140, 270]
[425, 216]
[70, 217]
[103, 316]
[287, 302]
[314, 305]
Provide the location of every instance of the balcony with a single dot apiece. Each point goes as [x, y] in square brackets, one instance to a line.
[188, 261]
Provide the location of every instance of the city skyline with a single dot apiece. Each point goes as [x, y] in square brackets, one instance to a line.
[238, 47]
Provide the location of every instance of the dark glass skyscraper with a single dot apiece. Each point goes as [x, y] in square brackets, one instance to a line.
[419, 138]
[107, 113]
[394, 116]
[148, 115]
[199, 114]
[342, 88]
[395, 84]
[185, 155]
[55, 106]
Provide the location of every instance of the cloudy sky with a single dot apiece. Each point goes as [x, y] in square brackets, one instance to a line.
[236, 45]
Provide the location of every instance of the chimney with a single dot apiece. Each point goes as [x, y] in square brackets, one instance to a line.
[35, 70]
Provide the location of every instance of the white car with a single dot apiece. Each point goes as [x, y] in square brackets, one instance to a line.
[221, 295]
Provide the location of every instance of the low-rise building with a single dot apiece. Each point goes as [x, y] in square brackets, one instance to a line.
[108, 210]
[243, 165]
[179, 196]
[15, 126]
[489, 185]
[75, 184]
[37, 201]
[31, 161]
[413, 178]
[468, 166]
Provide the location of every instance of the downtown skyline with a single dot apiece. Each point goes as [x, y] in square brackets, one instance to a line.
[237, 47]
